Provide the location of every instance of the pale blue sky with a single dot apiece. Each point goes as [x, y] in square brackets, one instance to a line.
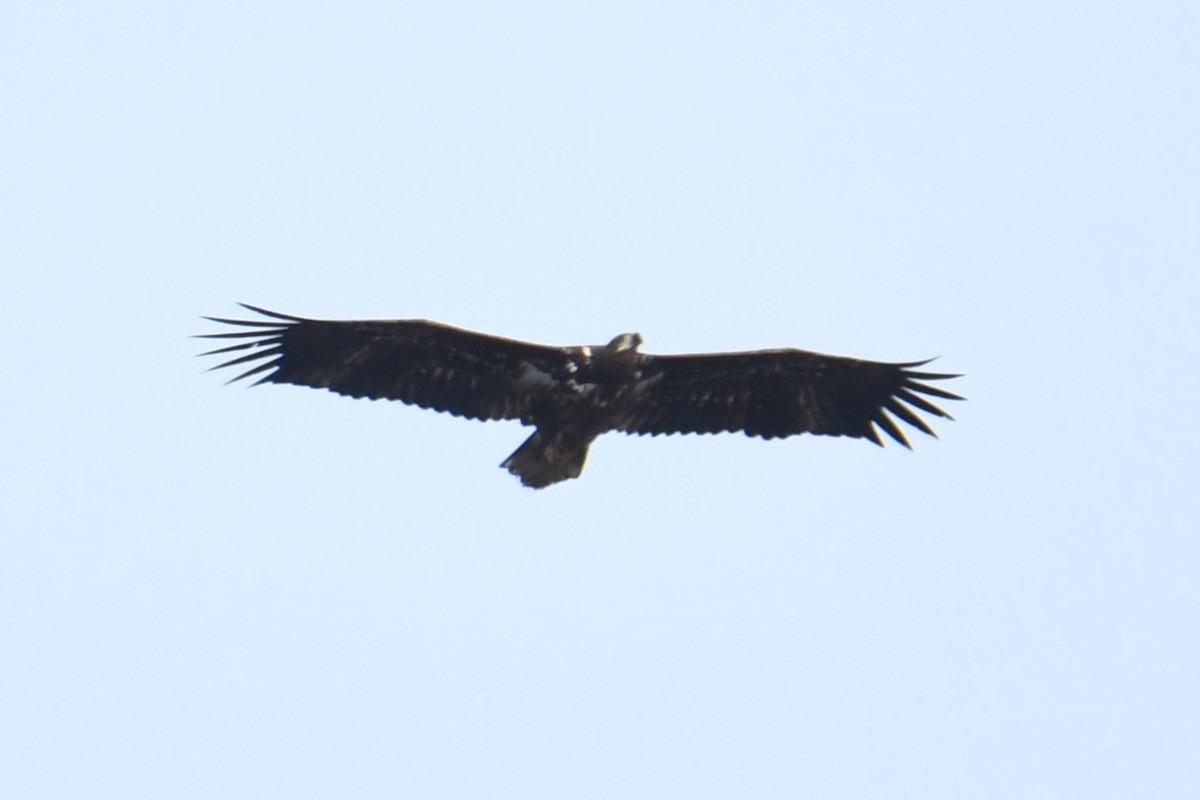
[213, 592]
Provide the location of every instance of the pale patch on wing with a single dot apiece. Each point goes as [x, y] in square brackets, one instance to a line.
[646, 384]
[530, 377]
[582, 389]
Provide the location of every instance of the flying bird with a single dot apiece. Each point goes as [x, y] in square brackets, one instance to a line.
[571, 395]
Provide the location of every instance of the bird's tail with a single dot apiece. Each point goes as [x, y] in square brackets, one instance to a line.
[542, 460]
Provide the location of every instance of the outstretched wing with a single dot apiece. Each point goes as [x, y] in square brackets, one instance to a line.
[417, 362]
[776, 393]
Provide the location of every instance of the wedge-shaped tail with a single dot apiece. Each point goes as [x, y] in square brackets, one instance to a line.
[544, 460]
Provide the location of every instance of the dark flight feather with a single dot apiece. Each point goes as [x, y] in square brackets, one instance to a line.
[574, 394]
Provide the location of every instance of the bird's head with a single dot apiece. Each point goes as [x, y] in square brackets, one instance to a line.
[625, 342]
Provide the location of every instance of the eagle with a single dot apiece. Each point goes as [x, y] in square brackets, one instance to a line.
[571, 395]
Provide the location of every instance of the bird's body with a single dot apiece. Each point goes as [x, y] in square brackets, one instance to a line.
[571, 395]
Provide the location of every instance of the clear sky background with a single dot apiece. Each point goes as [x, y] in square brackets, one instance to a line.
[207, 591]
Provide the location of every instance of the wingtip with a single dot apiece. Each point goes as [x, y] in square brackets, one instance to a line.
[268, 313]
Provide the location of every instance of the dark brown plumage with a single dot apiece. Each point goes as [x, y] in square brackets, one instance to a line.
[574, 394]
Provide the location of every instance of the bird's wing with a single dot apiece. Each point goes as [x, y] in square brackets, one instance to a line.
[422, 363]
[776, 393]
